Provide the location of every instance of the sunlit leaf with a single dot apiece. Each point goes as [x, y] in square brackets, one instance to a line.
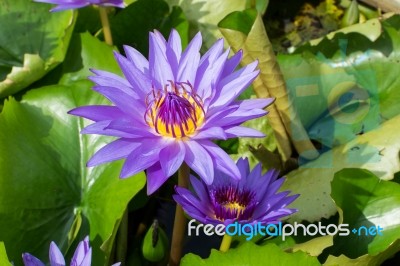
[44, 181]
[3, 255]
[377, 151]
[370, 207]
[251, 254]
[32, 42]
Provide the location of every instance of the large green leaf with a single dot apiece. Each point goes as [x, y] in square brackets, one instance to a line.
[251, 254]
[350, 77]
[3, 255]
[87, 52]
[366, 201]
[131, 26]
[46, 191]
[255, 44]
[204, 15]
[32, 42]
[365, 260]
[377, 151]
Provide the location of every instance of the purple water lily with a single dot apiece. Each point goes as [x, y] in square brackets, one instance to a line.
[169, 108]
[253, 198]
[82, 256]
[74, 4]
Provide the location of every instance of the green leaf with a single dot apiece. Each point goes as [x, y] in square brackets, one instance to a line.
[251, 254]
[283, 119]
[44, 182]
[377, 151]
[247, 146]
[205, 15]
[87, 52]
[239, 21]
[32, 42]
[3, 255]
[365, 201]
[357, 63]
[364, 260]
[131, 26]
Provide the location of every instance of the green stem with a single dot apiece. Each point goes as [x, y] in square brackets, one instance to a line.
[122, 238]
[106, 25]
[178, 233]
[226, 243]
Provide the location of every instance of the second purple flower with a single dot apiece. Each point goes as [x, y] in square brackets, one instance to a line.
[168, 108]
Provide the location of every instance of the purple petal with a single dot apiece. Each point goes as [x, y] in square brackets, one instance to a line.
[256, 103]
[173, 51]
[140, 82]
[63, 7]
[276, 203]
[87, 260]
[211, 78]
[244, 167]
[30, 260]
[160, 69]
[218, 116]
[123, 101]
[55, 255]
[101, 129]
[254, 180]
[238, 116]
[187, 197]
[232, 88]
[239, 131]
[232, 63]
[136, 129]
[171, 157]
[144, 156]
[115, 150]
[210, 133]
[204, 73]
[155, 178]
[190, 207]
[116, 3]
[274, 186]
[107, 79]
[81, 252]
[97, 112]
[190, 61]
[222, 161]
[199, 160]
[137, 59]
[202, 192]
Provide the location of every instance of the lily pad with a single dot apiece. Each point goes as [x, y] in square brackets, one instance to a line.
[204, 16]
[3, 255]
[251, 254]
[46, 191]
[32, 42]
[135, 20]
[370, 206]
[377, 151]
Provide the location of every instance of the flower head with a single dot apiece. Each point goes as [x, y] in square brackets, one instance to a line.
[74, 4]
[168, 108]
[251, 199]
[82, 256]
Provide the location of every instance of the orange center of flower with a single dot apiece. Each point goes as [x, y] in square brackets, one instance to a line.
[175, 111]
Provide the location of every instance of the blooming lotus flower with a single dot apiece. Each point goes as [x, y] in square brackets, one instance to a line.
[168, 109]
[251, 199]
[82, 256]
[74, 4]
